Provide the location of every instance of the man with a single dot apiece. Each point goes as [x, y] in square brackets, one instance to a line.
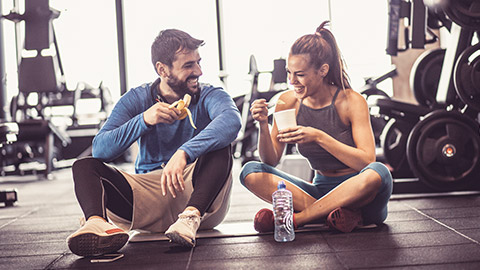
[183, 165]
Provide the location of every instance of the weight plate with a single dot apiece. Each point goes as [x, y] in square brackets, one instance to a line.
[465, 13]
[393, 141]
[425, 75]
[443, 150]
[466, 76]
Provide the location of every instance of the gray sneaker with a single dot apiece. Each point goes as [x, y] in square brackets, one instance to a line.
[184, 230]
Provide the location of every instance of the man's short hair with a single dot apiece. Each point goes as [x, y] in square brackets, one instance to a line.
[171, 41]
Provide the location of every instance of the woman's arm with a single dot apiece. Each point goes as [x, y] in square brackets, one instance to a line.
[354, 109]
[269, 147]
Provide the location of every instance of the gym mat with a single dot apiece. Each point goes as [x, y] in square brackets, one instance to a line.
[226, 230]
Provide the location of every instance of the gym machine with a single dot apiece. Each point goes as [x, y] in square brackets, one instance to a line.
[435, 146]
[246, 143]
[371, 92]
[8, 135]
[50, 127]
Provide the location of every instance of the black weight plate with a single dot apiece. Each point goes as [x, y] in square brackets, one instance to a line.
[465, 13]
[393, 141]
[425, 75]
[428, 145]
[475, 74]
[466, 76]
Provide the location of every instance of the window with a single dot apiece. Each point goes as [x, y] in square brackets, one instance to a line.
[86, 33]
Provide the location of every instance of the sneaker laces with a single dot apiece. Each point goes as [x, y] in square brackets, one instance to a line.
[190, 217]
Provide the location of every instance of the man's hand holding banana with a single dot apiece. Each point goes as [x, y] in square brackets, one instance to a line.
[168, 113]
[182, 106]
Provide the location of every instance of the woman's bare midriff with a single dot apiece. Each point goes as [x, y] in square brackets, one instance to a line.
[333, 173]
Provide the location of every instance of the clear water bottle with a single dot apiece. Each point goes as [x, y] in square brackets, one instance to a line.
[283, 214]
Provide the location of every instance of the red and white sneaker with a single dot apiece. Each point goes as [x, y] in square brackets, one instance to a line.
[264, 221]
[97, 237]
[344, 220]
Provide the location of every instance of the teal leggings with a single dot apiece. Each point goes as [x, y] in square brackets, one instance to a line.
[373, 213]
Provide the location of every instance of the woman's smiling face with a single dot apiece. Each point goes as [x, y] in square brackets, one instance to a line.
[304, 78]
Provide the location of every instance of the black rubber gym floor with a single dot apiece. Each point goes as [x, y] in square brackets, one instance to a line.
[440, 232]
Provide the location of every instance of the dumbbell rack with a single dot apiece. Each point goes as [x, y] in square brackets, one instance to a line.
[440, 142]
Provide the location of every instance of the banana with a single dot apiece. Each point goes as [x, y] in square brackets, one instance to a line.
[182, 105]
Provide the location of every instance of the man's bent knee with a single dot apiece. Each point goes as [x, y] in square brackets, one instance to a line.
[86, 164]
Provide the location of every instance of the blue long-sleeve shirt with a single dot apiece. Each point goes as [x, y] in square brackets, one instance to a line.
[215, 115]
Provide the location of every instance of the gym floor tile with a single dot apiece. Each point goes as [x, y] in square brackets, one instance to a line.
[394, 216]
[313, 261]
[444, 202]
[33, 248]
[17, 262]
[461, 223]
[410, 226]
[443, 266]
[29, 237]
[396, 241]
[46, 224]
[458, 212]
[411, 256]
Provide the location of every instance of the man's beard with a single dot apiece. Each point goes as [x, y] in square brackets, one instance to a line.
[181, 87]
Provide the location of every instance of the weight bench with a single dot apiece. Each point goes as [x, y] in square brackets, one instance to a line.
[39, 131]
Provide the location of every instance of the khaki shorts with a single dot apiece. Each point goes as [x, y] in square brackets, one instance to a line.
[154, 212]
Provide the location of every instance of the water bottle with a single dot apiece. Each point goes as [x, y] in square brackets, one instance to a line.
[283, 214]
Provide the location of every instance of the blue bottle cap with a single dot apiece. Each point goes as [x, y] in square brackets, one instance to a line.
[281, 185]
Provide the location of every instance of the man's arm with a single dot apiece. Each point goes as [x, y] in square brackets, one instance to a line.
[133, 115]
[122, 128]
[221, 131]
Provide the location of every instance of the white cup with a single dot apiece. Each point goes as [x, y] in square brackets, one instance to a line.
[285, 119]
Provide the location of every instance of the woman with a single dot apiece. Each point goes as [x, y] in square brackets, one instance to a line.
[333, 132]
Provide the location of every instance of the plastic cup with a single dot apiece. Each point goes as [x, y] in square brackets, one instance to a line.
[285, 119]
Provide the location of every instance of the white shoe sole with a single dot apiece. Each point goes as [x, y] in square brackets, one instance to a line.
[90, 244]
[180, 239]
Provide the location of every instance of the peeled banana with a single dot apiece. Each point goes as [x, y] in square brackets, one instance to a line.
[182, 105]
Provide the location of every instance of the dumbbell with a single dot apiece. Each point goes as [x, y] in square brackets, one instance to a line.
[8, 196]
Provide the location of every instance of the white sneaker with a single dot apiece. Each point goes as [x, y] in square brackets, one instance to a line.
[97, 237]
[184, 230]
